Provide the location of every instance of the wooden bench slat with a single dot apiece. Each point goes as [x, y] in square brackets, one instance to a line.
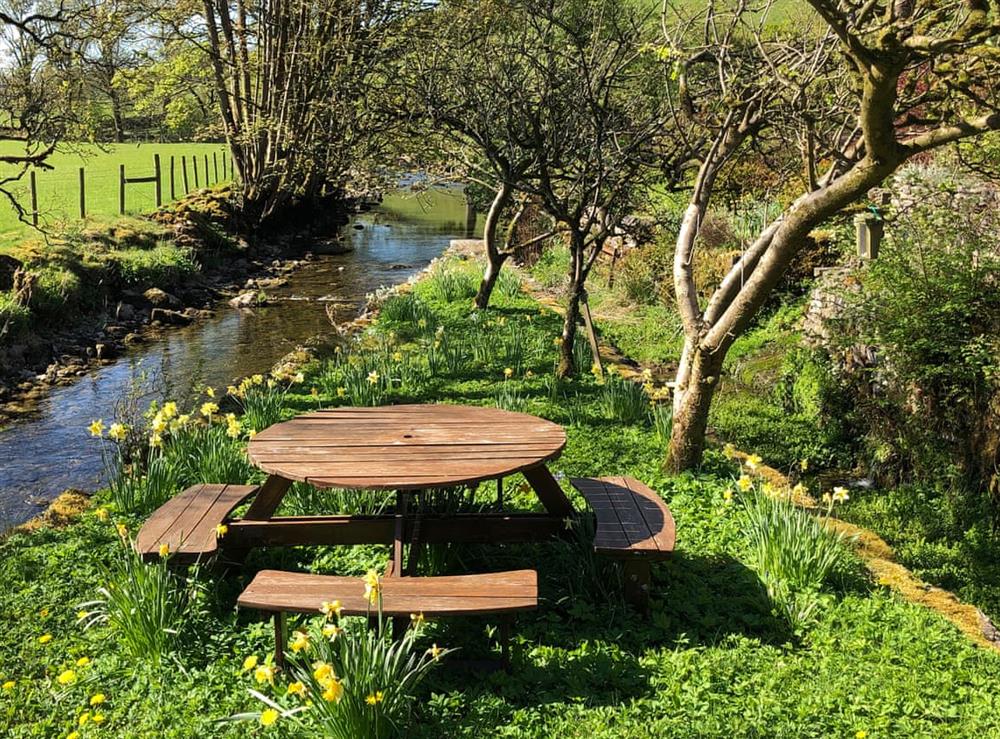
[500, 592]
[186, 523]
[632, 520]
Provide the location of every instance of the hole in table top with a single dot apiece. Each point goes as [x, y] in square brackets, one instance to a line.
[407, 436]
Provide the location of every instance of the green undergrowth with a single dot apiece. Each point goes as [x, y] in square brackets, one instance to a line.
[716, 657]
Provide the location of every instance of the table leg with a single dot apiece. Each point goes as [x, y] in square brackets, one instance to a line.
[268, 498]
[397, 543]
[549, 492]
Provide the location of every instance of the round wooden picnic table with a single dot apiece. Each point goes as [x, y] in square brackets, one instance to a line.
[405, 447]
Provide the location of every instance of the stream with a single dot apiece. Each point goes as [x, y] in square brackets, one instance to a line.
[50, 450]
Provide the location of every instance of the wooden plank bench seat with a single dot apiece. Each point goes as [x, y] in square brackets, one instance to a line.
[186, 523]
[634, 524]
[502, 593]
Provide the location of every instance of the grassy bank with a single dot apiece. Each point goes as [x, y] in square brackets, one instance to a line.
[718, 657]
[58, 188]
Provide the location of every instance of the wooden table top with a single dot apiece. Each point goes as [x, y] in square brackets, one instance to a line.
[405, 447]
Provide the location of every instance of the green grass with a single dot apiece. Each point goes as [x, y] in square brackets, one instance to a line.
[714, 659]
[58, 188]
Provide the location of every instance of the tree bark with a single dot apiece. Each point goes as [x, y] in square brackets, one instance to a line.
[578, 276]
[692, 402]
[494, 257]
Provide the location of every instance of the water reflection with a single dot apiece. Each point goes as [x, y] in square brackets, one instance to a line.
[50, 451]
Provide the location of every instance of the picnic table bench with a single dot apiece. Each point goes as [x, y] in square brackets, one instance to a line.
[634, 525]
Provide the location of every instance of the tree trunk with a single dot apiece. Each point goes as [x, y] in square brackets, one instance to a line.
[494, 257]
[692, 401]
[578, 276]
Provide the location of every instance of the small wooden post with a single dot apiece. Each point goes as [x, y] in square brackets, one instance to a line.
[232, 172]
[215, 167]
[206, 171]
[588, 322]
[173, 194]
[158, 184]
[83, 195]
[121, 189]
[184, 172]
[194, 162]
[224, 176]
[34, 198]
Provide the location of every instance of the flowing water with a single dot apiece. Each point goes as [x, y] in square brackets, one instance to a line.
[50, 450]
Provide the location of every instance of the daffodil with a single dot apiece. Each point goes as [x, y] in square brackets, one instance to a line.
[210, 391]
[397, 356]
[122, 530]
[209, 409]
[233, 390]
[97, 719]
[101, 514]
[84, 718]
[268, 717]
[233, 426]
[333, 691]
[97, 699]
[729, 451]
[296, 688]
[96, 428]
[169, 410]
[752, 461]
[435, 651]
[164, 550]
[83, 662]
[800, 491]
[828, 498]
[332, 631]
[840, 495]
[66, 677]
[508, 372]
[299, 641]
[257, 379]
[341, 392]
[727, 495]
[221, 530]
[45, 638]
[373, 698]
[860, 734]
[417, 619]
[804, 464]
[73, 735]
[118, 431]
[372, 586]
[373, 377]
[156, 441]
[264, 674]
[744, 483]
[331, 608]
[9, 685]
[323, 671]
[158, 424]
[250, 662]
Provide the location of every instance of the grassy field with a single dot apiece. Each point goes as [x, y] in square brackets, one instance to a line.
[715, 659]
[59, 189]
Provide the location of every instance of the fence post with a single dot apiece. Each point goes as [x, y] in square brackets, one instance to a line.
[159, 186]
[224, 166]
[34, 199]
[121, 189]
[215, 167]
[83, 196]
[206, 171]
[232, 172]
[194, 161]
[184, 171]
[173, 194]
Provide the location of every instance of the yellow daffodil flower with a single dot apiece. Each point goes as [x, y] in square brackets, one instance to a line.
[729, 451]
[508, 372]
[804, 464]
[122, 530]
[101, 514]
[840, 495]
[331, 608]
[860, 734]
[529, 374]
[156, 441]
[66, 677]
[323, 671]
[96, 428]
[9, 685]
[727, 495]
[45, 638]
[744, 483]
[97, 719]
[752, 461]
[435, 651]
[83, 662]
[118, 431]
[827, 498]
[296, 688]
[374, 698]
[264, 674]
[233, 390]
[373, 377]
[268, 717]
[257, 379]
[372, 586]
[210, 391]
[341, 392]
[249, 663]
[332, 631]
[84, 718]
[169, 410]
[97, 699]
[221, 530]
[417, 619]
[333, 691]
[800, 491]
[164, 550]
[73, 735]
[209, 409]
[299, 641]
[159, 424]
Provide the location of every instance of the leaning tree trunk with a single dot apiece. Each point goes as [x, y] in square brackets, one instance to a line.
[698, 378]
[494, 257]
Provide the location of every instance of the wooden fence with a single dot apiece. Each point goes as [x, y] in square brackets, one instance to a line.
[157, 179]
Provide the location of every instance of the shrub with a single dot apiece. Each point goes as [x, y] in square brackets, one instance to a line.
[146, 606]
[793, 553]
[623, 400]
[142, 488]
[15, 318]
[163, 265]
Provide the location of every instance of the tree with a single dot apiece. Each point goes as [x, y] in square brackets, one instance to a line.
[294, 80]
[907, 77]
[557, 102]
